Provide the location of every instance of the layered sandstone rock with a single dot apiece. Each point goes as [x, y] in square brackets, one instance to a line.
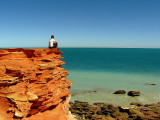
[33, 86]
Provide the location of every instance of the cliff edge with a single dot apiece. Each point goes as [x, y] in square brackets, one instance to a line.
[33, 86]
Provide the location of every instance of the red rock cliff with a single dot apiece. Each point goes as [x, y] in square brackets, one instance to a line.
[33, 86]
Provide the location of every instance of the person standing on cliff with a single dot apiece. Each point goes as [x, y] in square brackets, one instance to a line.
[53, 43]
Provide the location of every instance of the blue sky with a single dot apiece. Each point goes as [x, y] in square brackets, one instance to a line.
[80, 23]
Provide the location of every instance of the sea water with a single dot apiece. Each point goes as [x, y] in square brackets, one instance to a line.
[98, 72]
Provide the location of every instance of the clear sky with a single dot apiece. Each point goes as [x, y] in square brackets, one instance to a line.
[80, 23]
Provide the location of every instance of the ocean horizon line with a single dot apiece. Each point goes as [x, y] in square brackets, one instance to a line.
[85, 47]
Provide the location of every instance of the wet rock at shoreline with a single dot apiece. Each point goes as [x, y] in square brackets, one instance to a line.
[133, 93]
[81, 104]
[136, 103]
[120, 92]
[133, 113]
[126, 108]
[105, 111]
[120, 115]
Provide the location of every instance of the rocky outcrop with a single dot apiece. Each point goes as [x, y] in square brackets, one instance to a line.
[105, 111]
[133, 93]
[120, 92]
[33, 86]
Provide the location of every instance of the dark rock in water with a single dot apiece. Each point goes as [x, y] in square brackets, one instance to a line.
[150, 84]
[120, 92]
[89, 91]
[74, 94]
[134, 93]
[136, 103]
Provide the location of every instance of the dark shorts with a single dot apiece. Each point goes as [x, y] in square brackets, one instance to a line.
[54, 46]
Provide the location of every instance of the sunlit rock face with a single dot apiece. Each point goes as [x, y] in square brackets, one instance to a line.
[33, 86]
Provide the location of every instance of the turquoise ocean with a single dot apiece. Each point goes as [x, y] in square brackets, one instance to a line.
[98, 72]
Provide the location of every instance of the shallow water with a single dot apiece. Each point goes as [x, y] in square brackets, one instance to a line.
[98, 72]
[99, 87]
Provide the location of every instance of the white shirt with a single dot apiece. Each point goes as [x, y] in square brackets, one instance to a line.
[51, 41]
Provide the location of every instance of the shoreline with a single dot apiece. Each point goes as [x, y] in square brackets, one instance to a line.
[92, 96]
[106, 111]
